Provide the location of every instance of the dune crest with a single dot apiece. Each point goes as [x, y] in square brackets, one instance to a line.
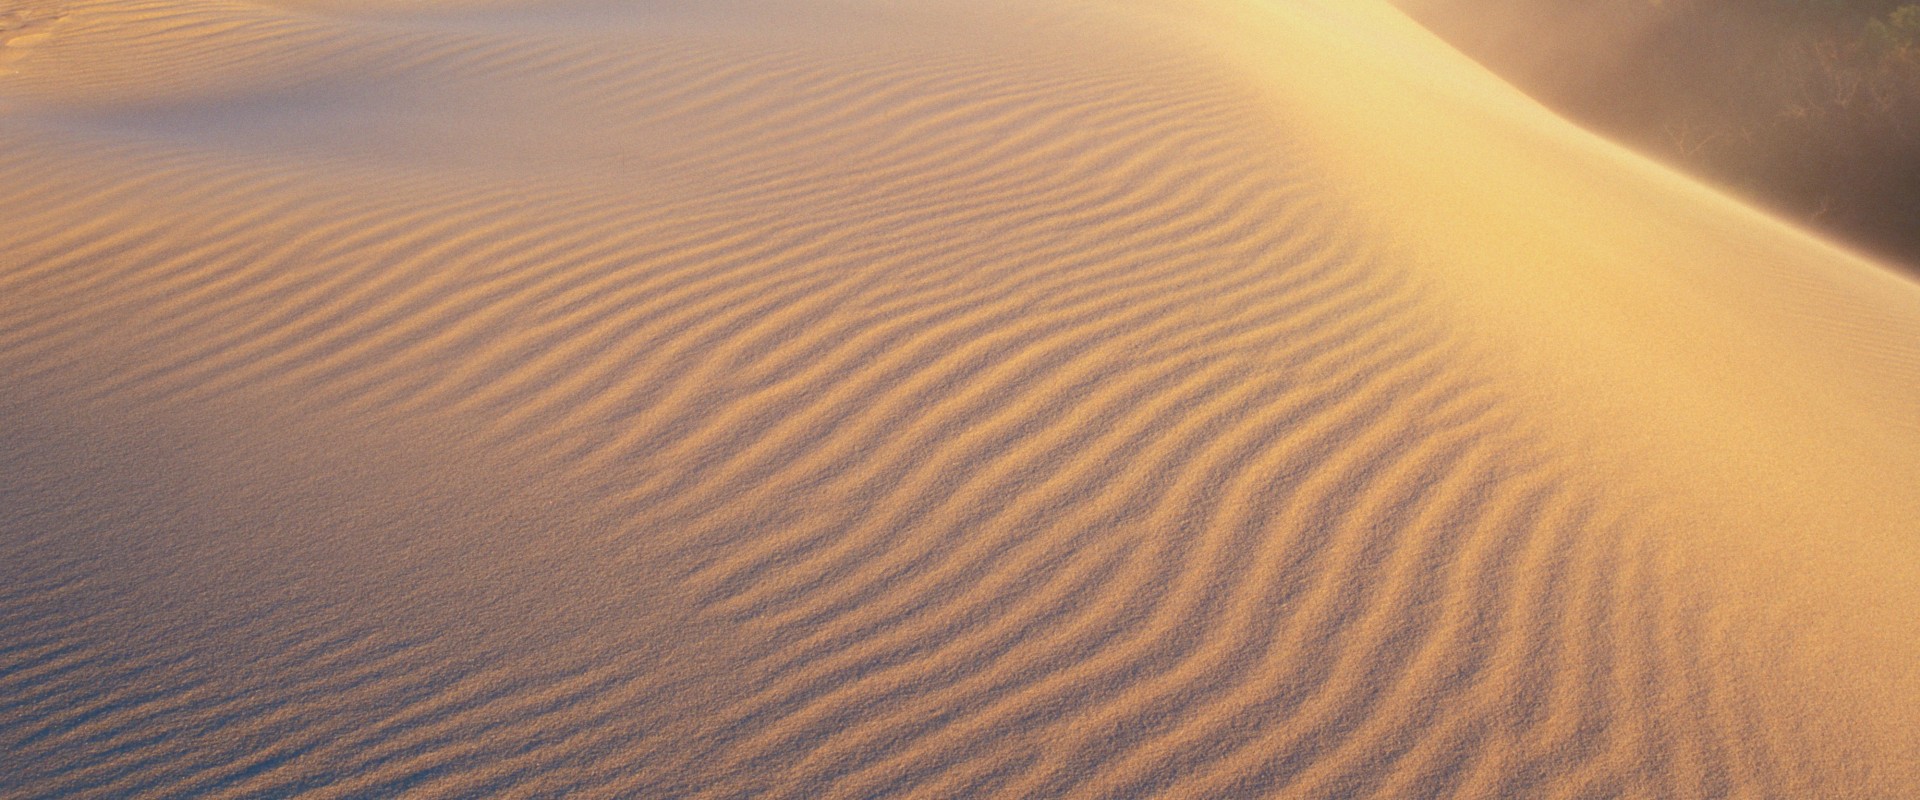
[771, 398]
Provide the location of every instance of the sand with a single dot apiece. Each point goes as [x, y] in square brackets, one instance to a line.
[857, 398]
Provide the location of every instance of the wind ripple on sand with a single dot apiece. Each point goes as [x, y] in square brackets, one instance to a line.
[823, 415]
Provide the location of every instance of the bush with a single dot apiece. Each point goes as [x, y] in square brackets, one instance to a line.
[1900, 30]
[1810, 106]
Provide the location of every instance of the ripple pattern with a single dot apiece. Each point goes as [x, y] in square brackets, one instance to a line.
[830, 410]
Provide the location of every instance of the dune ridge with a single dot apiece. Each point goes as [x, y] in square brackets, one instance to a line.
[853, 399]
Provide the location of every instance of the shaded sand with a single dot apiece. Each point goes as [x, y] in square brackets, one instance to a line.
[938, 399]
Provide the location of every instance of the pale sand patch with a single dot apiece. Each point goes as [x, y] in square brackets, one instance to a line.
[22, 29]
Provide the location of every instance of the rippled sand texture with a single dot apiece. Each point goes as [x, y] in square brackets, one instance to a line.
[854, 398]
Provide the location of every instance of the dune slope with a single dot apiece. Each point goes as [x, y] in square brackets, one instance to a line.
[853, 398]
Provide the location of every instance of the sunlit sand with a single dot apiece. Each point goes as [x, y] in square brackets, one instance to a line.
[851, 398]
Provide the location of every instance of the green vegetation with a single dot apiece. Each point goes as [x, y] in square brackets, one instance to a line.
[1812, 106]
[1899, 29]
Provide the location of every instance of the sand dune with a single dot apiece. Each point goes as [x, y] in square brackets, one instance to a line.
[854, 398]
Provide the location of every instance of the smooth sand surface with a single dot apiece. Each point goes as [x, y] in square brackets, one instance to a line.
[854, 398]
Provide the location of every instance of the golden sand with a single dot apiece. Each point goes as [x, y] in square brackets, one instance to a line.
[859, 398]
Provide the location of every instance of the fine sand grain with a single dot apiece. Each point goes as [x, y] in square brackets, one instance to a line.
[871, 398]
